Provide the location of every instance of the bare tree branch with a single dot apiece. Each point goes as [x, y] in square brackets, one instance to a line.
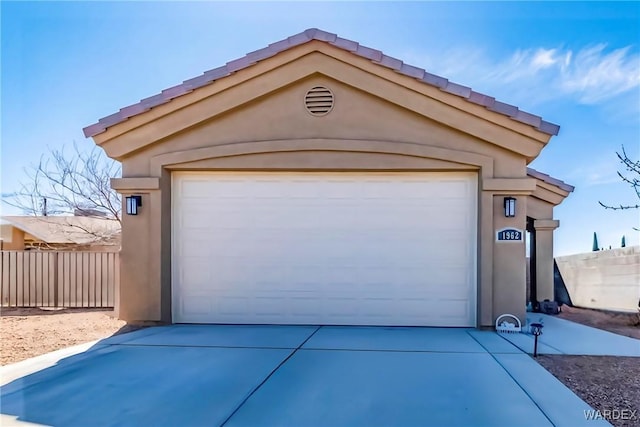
[631, 177]
[75, 183]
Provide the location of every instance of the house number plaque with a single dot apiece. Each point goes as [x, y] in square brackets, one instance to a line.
[509, 235]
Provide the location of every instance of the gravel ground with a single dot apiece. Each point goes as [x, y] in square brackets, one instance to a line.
[29, 332]
[604, 382]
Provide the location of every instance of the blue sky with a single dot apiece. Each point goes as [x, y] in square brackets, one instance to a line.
[65, 65]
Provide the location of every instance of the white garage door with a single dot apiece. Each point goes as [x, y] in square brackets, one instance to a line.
[324, 248]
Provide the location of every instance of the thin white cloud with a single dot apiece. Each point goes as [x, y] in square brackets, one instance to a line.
[544, 58]
[601, 178]
[591, 75]
[596, 75]
[599, 172]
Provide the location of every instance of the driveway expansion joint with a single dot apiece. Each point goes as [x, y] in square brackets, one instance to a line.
[540, 342]
[269, 376]
[386, 350]
[515, 380]
[206, 346]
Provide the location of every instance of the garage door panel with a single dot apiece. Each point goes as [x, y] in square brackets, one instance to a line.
[195, 189]
[342, 310]
[324, 248]
[453, 309]
[232, 305]
[195, 303]
[449, 275]
[196, 275]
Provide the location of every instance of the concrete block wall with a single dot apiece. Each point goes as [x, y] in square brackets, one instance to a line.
[606, 280]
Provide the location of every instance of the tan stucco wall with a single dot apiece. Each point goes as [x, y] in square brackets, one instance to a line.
[356, 116]
[509, 262]
[317, 59]
[391, 130]
[539, 209]
[15, 241]
[606, 280]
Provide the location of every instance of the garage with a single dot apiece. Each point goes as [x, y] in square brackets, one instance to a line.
[331, 248]
[320, 181]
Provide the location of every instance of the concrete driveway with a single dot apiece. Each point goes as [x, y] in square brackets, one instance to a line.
[209, 375]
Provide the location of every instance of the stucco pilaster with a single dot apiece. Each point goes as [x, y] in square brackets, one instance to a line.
[509, 261]
[503, 283]
[544, 258]
[139, 295]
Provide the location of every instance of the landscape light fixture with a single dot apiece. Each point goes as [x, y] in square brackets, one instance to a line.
[536, 330]
[509, 207]
[133, 203]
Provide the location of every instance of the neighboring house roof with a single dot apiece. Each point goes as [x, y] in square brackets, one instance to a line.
[66, 229]
[273, 49]
[550, 180]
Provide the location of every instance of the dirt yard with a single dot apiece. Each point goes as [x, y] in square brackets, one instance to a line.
[29, 332]
[604, 382]
[627, 324]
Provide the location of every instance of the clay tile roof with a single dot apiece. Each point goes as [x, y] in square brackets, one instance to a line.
[306, 36]
[550, 180]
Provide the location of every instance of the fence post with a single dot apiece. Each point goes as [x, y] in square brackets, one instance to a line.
[55, 279]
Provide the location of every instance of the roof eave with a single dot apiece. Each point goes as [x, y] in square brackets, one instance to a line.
[353, 47]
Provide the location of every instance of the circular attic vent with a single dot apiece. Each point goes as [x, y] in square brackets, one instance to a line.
[319, 101]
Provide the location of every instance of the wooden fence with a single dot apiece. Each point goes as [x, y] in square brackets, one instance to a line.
[58, 279]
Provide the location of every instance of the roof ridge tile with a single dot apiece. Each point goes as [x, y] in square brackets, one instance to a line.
[345, 44]
[369, 53]
[94, 129]
[411, 71]
[239, 64]
[279, 46]
[261, 54]
[111, 119]
[390, 62]
[528, 118]
[154, 101]
[458, 90]
[298, 39]
[133, 109]
[504, 108]
[310, 32]
[481, 99]
[435, 80]
[324, 36]
[549, 128]
[176, 91]
[197, 82]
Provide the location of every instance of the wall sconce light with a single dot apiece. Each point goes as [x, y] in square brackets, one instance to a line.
[133, 203]
[509, 207]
